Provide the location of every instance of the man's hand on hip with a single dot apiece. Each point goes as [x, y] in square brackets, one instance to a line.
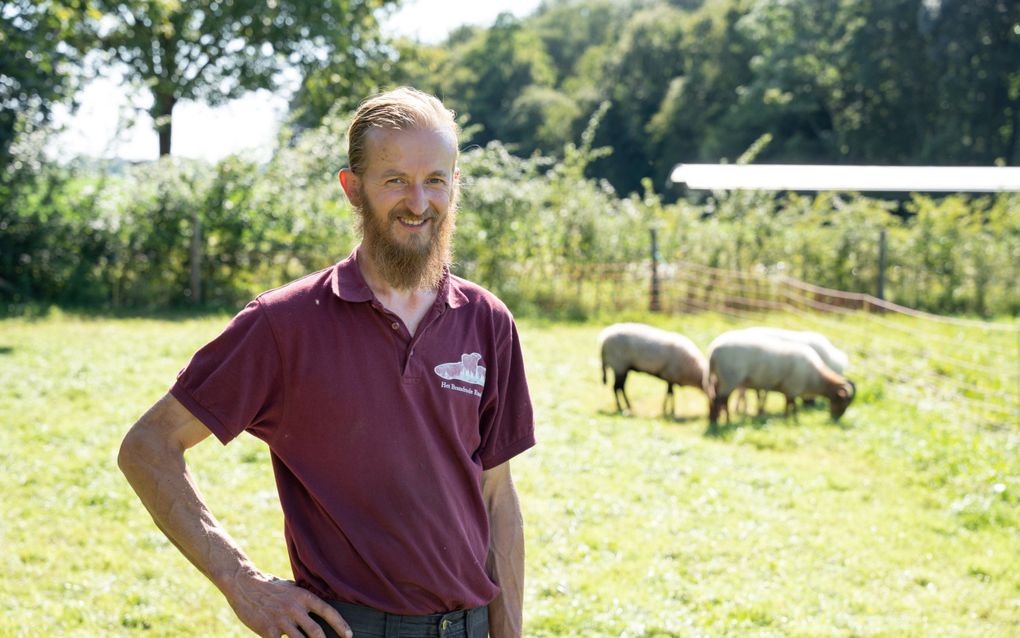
[273, 607]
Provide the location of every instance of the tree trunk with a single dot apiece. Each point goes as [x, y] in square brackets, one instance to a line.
[1013, 146]
[162, 116]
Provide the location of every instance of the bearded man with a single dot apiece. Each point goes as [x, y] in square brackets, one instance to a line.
[391, 395]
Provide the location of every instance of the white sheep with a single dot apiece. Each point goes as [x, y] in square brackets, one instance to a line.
[744, 359]
[667, 355]
[832, 356]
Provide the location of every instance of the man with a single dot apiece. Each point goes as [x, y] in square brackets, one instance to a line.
[391, 395]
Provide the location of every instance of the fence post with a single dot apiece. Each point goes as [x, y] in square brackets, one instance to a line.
[196, 258]
[654, 304]
[880, 286]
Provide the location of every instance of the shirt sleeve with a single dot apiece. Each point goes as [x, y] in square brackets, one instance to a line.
[507, 422]
[234, 383]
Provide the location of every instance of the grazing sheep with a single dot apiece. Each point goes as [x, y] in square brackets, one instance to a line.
[832, 356]
[670, 356]
[742, 358]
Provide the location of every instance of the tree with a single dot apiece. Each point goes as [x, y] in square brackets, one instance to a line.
[569, 28]
[541, 119]
[976, 48]
[342, 84]
[40, 47]
[490, 71]
[647, 59]
[215, 50]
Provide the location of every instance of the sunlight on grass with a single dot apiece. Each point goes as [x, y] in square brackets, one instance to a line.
[895, 522]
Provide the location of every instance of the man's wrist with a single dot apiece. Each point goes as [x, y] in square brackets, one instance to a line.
[231, 580]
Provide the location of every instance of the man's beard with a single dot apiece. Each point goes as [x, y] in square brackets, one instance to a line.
[415, 265]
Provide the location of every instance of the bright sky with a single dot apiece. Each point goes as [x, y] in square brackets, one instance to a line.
[106, 125]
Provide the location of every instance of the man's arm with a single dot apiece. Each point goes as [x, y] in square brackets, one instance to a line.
[152, 459]
[506, 552]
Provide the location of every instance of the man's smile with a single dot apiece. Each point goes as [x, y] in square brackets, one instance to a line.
[413, 222]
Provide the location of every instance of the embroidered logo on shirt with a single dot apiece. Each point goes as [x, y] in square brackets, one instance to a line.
[466, 370]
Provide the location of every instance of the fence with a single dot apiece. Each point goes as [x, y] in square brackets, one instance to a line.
[928, 360]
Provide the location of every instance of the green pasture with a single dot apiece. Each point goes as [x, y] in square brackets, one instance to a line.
[897, 521]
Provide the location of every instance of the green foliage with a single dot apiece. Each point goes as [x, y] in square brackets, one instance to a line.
[952, 255]
[505, 199]
[651, 45]
[125, 240]
[543, 119]
[475, 76]
[45, 215]
[40, 45]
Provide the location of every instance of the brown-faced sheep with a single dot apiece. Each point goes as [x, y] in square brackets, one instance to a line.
[832, 356]
[743, 359]
[667, 355]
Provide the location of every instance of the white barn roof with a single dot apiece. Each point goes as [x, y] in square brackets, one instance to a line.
[782, 177]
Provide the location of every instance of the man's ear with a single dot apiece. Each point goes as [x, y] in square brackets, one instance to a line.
[351, 184]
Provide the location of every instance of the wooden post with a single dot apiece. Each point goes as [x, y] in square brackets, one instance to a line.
[654, 303]
[880, 286]
[196, 258]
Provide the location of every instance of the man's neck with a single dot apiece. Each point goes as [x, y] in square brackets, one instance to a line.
[410, 304]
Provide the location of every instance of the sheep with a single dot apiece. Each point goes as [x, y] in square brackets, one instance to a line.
[667, 355]
[832, 356]
[742, 358]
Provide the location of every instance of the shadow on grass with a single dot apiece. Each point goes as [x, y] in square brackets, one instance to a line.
[762, 421]
[757, 422]
[626, 414]
[683, 418]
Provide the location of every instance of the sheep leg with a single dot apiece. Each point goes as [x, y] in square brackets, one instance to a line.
[760, 395]
[618, 382]
[791, 408]
[670, 400]
[719, 404]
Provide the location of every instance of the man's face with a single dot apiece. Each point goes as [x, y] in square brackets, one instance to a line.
[407, 202]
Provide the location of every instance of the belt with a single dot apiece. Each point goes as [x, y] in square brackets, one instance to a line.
[469, 623]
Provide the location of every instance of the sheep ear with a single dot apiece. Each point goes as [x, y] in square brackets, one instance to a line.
[853, 389]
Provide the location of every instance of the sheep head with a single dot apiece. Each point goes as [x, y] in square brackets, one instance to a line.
[840, 400]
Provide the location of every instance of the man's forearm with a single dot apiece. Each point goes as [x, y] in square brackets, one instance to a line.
[164, 485]
[506, 557]
[506, 611]
[152, 459]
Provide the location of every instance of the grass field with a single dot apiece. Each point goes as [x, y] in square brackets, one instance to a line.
[895, 522]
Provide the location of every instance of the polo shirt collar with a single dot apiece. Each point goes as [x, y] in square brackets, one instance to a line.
[348, 283]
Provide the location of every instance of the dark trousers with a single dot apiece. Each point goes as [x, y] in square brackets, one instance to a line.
[366, 622]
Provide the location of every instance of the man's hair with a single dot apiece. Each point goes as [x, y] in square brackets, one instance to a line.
[404, 108]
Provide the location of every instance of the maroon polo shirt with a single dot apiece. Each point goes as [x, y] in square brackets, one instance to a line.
[378, 439]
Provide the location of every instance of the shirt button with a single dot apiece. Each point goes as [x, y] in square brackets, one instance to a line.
[395, 325]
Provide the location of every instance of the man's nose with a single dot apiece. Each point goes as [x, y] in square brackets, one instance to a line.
[416, 200]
